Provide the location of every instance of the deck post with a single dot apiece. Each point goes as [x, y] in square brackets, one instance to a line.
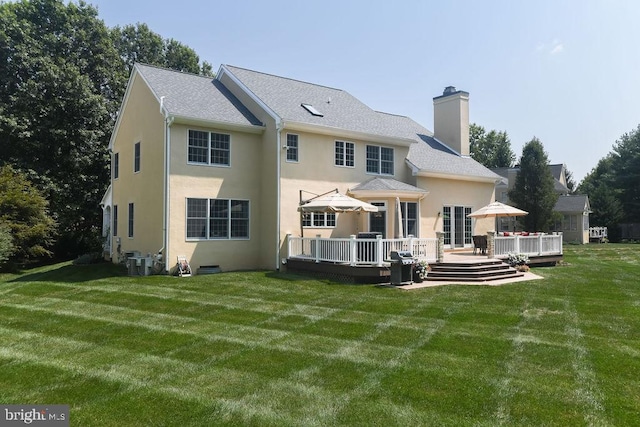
[491, 244]
[379, 250]
[517, 243]
[440, 247]
[288, 244]
[353, 250]
[539, 243]
[317, 243]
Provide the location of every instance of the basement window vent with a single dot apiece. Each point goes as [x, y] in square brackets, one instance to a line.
[310, 108]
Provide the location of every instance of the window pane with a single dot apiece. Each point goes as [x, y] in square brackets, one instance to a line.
[446, 224]
[349, 159]
[115, 220]
[219, 208]
[306, 220]
[318, 219]
[240, 209]
[130, 234]
[116, 165]
[196, 228]
[239, 228]
[292, 148]
[219, 149]
[373, 154]
[339, 153]
[198, 146]
[386, 160]
[196, 208]
[218, 228]
[331, 220]
[136, 157]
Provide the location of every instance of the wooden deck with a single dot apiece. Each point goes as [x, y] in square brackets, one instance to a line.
[371, 274]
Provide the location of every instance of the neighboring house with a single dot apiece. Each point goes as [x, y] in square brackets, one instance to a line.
[574, 209]
[214, 169]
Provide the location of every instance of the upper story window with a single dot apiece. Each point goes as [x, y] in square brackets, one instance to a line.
[209, 148]
[136, 157]
[116, 165]
[379, 160]
[345, 154]
[292, 148]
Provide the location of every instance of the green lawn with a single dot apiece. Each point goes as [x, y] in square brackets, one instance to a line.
[265, 349]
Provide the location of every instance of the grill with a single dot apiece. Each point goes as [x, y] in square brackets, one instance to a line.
[401, 267]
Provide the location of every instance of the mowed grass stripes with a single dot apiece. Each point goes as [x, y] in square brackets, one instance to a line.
[267, 349]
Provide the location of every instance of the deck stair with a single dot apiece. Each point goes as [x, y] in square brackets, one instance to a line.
[472, 271]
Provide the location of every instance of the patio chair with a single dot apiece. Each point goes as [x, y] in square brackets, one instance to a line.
[480, 243]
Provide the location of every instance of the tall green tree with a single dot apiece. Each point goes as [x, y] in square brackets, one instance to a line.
[62, 82]
[137, 43]
[24, 213]
[626, 166]
[533, 190]
[492, 149]
[62, 79]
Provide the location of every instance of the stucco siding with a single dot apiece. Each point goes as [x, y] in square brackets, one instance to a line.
[449, 192]
[239, 181]
[141, 122]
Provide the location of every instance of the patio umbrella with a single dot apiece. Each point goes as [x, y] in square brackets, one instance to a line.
[336, 202]
[497, 209]
[399, 231]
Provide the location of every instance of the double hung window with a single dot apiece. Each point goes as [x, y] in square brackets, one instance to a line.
[345, 154]
[217, 219]
[209, 148]
[379, 160]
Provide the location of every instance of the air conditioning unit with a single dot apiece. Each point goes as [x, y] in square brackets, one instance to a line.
[140, 266]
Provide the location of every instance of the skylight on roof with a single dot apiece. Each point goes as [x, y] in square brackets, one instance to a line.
[310, 108]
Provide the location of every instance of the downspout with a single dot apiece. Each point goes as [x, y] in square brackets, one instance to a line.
[279, 127]
[168, 121]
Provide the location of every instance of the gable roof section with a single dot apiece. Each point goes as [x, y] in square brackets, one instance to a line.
[338, 109]
[340, 112]
[573, 203]
[556, 172]
[386, 184]
[190, 96]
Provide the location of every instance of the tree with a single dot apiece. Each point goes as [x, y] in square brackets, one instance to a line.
[626, 174]
[137, 43]
[62, 82]
[571, 183]
[23, 211]
[492, 149]
[6, 243]
[534, 190]
[62, 79]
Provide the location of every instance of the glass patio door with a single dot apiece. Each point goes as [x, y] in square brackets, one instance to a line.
[456, 226]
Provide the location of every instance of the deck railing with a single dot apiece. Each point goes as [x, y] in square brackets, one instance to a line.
[354, 251]
[538, 245]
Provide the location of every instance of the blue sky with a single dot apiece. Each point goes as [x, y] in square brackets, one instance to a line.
[567, 72]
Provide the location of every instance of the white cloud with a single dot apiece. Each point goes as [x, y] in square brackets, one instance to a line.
[553, 48]
[556, 49]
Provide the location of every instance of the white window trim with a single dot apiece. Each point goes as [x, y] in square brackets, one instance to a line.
[345, 154]
[379, 147]
[210, 239]
[209, 164]
[286, 157]
[325, 226]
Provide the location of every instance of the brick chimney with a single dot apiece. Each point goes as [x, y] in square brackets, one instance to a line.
[451, 119]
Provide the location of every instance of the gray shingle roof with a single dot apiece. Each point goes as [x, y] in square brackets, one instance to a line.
[572, 203]
[386, 184]
[197, 97]
[341, 110]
